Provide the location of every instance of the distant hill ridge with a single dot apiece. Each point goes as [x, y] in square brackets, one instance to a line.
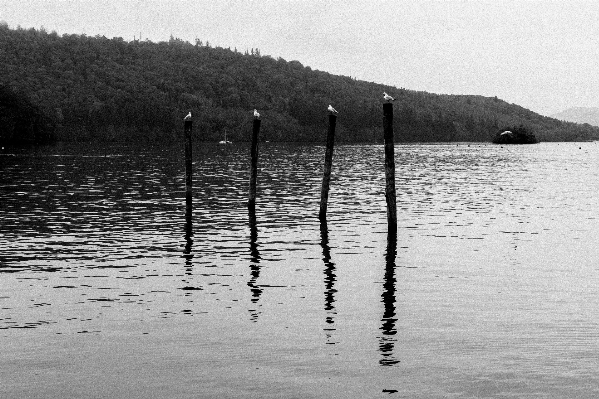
[95, 88]
[588, 115]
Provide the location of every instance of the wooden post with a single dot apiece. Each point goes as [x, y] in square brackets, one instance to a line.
[328, 161]
[390, 195]
[254, 164]
[188, 175]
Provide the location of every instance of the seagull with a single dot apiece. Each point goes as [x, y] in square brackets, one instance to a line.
[256, 114]
[387, 97]
[332, 110]
[187, 117]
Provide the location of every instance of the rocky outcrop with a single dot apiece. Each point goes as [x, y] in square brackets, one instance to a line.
[519, 135]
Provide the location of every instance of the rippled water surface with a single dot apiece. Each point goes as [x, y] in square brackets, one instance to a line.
[491, 289]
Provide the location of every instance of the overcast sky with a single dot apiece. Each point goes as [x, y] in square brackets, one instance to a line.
[543, 55]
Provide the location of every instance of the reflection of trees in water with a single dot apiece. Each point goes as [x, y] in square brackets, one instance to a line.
[254, 265]
[387, 339]
[329, 282]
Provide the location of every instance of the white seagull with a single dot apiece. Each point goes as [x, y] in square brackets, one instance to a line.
[256, 114]
[187, 117]
[332, 110]
[387, 97]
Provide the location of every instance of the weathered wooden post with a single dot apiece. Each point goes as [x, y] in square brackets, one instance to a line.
[254, 162]
[187, 127]
[389, 166]
[328, 162]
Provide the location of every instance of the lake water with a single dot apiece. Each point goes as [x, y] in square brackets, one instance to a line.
[491, 289]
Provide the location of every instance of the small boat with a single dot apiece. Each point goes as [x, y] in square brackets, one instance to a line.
[225, 141]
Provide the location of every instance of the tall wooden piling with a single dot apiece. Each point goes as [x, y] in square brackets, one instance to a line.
[254, 164]
[328, 162]
[187, 127]
[390, 195]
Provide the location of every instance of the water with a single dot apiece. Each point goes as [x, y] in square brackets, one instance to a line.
[489, 291]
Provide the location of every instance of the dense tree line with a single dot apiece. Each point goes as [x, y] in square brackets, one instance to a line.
[21, 121]
[95, 88]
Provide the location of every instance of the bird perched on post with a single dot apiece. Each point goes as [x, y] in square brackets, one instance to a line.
[332, 110]
[256, 114]
[187, 117]
[387, 97]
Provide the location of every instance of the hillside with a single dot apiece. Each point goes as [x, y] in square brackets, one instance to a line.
[94, 88]
[579, 115]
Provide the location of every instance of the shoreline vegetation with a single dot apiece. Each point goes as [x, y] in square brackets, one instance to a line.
[79, 88]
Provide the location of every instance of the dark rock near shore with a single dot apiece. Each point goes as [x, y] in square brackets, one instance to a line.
[518, 135]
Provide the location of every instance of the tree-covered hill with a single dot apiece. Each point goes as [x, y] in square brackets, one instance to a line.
[94, 88]
[21, 121]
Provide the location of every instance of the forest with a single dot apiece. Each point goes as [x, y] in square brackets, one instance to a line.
[79, 88]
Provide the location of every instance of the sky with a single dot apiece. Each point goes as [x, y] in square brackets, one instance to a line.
[542, 55]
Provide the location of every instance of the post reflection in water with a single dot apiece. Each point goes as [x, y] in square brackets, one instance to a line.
[188, 237]
[387, 339]
[329, 282]
[187, 250]
[254, 264]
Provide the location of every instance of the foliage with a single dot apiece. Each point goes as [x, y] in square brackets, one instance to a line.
[515, 135]
[94, 88]
[21, 121]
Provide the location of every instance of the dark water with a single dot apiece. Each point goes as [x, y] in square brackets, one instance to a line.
[491, 289]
